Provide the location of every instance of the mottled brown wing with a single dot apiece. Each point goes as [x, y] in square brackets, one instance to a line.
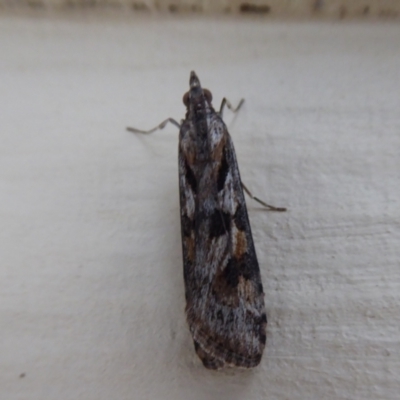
[224, 294]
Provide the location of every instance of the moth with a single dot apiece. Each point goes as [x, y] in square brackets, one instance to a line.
[224, 294]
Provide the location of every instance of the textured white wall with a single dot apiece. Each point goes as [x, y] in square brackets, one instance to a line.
[91, 286]
[293, 8]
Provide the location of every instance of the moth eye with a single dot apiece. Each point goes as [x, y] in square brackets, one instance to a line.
[208, 95]
[186, 99]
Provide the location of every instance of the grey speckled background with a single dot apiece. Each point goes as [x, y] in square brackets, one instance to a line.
[362, 9]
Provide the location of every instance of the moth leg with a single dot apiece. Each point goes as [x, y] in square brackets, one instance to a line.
[272, 208]
[161, 126]
[226, 102]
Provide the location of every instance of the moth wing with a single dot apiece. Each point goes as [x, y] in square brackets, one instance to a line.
[224, 294]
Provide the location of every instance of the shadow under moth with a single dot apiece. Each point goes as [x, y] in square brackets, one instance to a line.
[223, 289]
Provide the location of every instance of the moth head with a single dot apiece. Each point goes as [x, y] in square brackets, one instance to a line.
[196, 91]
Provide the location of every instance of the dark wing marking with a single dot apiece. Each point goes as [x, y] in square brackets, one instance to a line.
[225, 300]
[188, 191]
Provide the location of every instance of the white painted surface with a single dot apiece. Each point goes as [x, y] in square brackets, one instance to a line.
[91, 283]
